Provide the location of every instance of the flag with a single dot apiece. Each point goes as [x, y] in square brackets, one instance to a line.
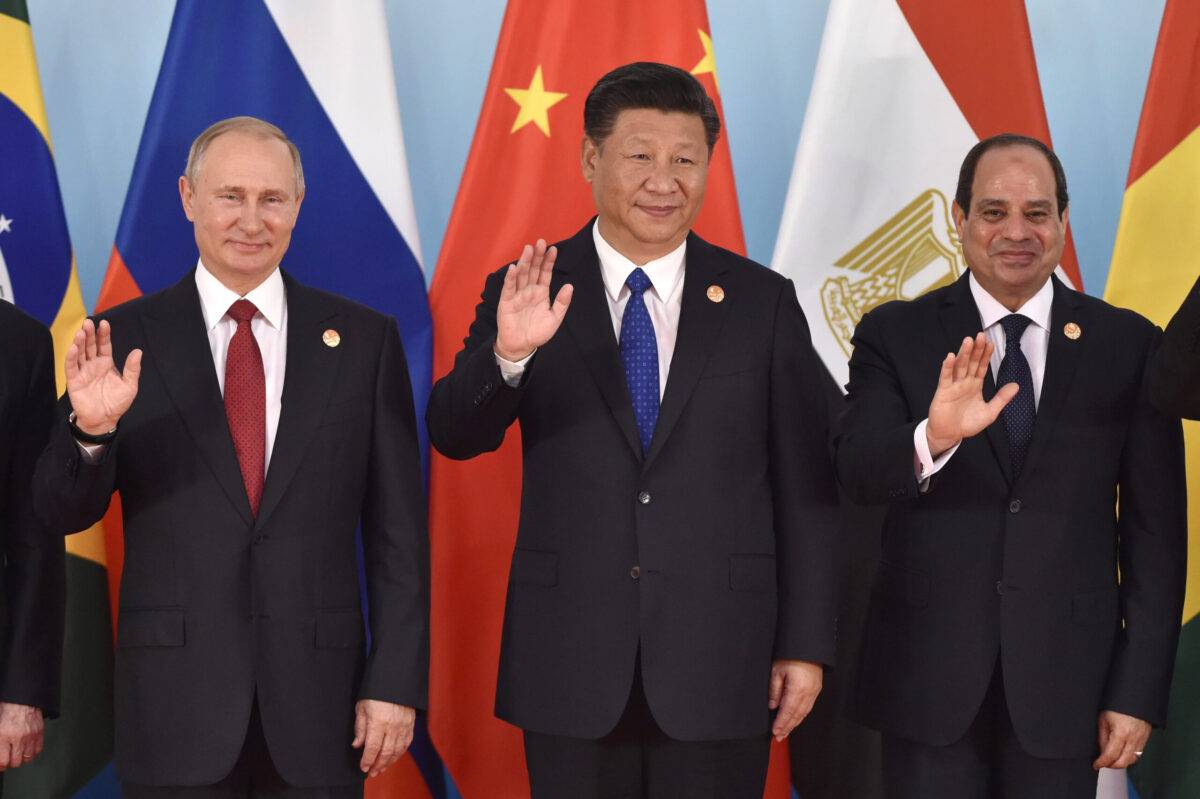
[898, 98]
[522, 181]
[902, 90]
[38, 274]
[322, 72]
[1154, 265]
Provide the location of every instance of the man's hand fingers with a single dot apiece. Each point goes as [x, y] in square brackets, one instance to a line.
[1003, 397]
[15, 752]
[963, 362]
[1112, 743]
[775, 688]
[1128, 755]
[373, 745]
[509, 290]
[39, 742]
[133, 369]
[522, 269]
[72, 361]
[548, 267]
[562, 301]
[946, 376]
[388, 753]
[536, 265]
[360, 727]
[104, 339]
[985, 359]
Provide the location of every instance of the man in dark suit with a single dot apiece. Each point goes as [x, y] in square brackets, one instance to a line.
[1022, 631]
[253, 425]
[672, 580]
[1175, 370]
[32, 598]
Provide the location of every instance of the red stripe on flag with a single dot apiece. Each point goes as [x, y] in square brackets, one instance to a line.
[1171, 109]
[119, 285]
[983, 52]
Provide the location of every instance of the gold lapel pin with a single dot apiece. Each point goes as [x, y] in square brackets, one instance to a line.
[331, 338]
[715, 293]
[1072, 331]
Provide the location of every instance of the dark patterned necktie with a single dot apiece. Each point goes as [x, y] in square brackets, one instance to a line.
[1019, 413]
[639, 354]
[246, 401]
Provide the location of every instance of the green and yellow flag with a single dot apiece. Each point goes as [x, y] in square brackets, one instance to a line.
[1155, 261]
[37, 273]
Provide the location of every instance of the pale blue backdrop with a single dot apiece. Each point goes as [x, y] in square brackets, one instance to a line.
[99, 62]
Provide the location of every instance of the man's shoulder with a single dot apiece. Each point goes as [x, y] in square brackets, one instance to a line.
[749, 271]
[18, 325]
[328, 302]
[1123, 321]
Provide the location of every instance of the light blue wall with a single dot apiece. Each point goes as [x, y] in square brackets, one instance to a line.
[99, 62]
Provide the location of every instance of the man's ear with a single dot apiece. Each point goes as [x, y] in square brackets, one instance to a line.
[185, 197]
[589, 151]
[960, 218]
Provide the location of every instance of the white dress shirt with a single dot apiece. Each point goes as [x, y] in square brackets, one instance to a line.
[663, 300]
[1034, 343]
[269, 327]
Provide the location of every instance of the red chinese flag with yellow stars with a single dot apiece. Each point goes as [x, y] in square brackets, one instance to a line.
[523, 182]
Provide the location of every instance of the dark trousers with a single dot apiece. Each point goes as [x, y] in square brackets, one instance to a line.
[987, 763]
[638, 761]
[253, 777]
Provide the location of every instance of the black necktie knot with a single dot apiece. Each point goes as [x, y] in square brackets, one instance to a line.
[1014, 327]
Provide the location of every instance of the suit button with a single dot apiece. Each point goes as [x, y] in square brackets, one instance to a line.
[644, 497]
[635, 572]
[1014, 506]
[1000, 587]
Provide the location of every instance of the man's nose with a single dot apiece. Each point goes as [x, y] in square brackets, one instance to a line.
[251, 217]
[662, 178]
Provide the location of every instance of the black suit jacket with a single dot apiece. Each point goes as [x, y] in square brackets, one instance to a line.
[1175, 371]
[984, 564]
[218, 606]
[32, 594]
[713, 553]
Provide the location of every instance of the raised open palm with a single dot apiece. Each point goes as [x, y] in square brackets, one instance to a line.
[99, 394]
[958, 409]
[525, 317]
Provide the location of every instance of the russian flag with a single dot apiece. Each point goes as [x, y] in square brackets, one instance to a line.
[322, 72]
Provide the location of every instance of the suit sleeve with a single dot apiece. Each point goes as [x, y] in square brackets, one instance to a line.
[1175, 370]
[471, 407]
[34, 571]
[1152, 548]
[396, 541]
[804, 491]
[874, 451]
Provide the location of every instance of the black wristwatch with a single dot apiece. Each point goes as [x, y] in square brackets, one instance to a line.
[88, 438]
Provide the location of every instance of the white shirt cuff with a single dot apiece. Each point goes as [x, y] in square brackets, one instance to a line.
[926, 465]
[512, 371]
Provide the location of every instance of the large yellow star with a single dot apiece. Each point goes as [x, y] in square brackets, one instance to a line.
[709, 62]
[535, 102]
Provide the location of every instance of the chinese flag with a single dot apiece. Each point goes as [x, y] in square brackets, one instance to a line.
[522, 181]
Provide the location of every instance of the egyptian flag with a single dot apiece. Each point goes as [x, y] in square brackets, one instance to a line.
[322, 72]
[522, 182]
[37, 273]
[902, 90]
[1155, 261]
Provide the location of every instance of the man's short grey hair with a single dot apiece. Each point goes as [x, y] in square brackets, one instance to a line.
[251, 125]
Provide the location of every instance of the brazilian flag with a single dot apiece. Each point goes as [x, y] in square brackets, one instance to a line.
[37, 273]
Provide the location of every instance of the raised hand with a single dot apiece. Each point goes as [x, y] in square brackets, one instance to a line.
[958, 409]
[99, 394]
[525, 317]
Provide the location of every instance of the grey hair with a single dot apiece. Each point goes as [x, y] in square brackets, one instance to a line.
[252, 125]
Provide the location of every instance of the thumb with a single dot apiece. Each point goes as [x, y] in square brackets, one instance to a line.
[360, 728]
[775, 692]
[133, 369]
[562, 300]
[1002, 398]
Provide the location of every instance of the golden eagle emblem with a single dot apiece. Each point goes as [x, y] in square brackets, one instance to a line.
[915, 251]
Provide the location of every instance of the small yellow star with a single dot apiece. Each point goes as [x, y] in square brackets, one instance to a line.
[709, 62]
[535, 102]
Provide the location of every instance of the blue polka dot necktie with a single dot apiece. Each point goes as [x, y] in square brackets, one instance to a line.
[1019, 413]
[639, 354]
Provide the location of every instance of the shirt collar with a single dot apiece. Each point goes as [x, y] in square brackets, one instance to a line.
[664, 272]
[1037, 307]
[215, 297]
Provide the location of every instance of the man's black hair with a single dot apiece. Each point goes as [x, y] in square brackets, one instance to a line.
[966, 175]
[645, 84]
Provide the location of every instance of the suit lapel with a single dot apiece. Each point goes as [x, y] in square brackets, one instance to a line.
[177, 343]
[1062, 358]
[960, 319]
[700, 323]
[308, 380]
[590, 324]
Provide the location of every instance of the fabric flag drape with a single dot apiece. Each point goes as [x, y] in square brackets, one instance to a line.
[323, 73]
[898, 98]
[1154, 265]
[37, 272]
[522, 181]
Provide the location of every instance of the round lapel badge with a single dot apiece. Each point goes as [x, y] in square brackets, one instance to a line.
[715, 293]
[331, 338]
[1072, 331]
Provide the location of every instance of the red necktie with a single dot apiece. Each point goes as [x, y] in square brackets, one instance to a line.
[246, 401]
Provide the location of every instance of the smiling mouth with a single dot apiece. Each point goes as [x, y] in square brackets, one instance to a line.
[1017, 256]
[245, 246]
[658, 210]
